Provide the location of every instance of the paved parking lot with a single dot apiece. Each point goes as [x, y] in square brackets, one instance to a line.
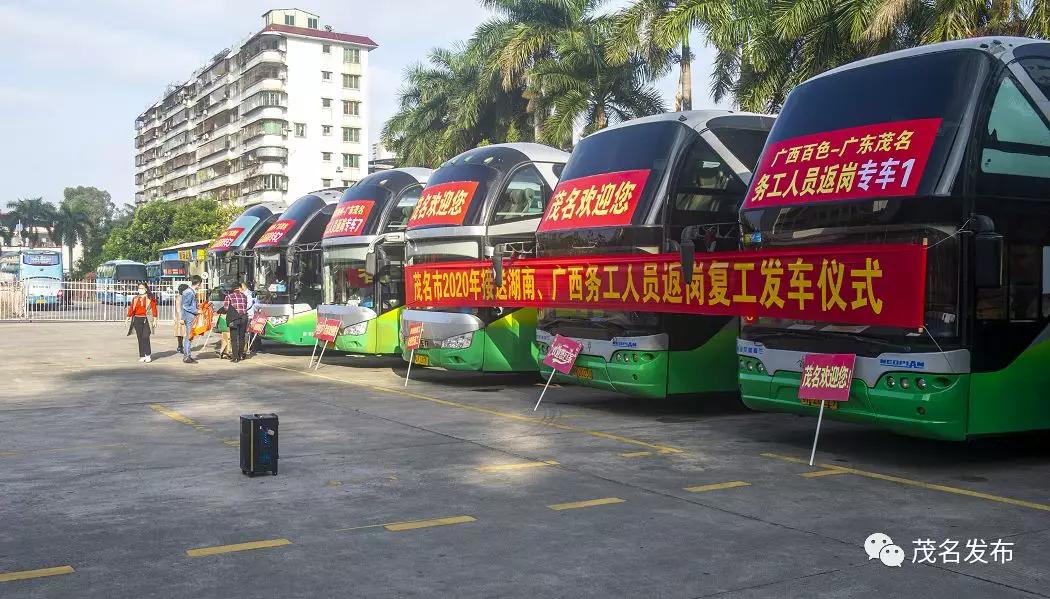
[121, 479]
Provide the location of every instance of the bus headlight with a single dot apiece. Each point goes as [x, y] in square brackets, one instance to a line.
[356, 329]
[890, 382]
[904, 383]
[458, 342]
[920, 383]
[277, 321]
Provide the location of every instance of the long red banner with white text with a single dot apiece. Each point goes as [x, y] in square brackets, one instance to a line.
[858, 284]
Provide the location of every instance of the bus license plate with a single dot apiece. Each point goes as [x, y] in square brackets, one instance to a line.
[421, 360]
[831, 405]
[582, 372]
[40, 301]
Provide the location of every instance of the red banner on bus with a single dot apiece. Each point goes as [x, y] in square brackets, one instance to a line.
[826, 377]
[275, 233]
[858, 284]
[227, 239]
[349, 218]
[443, 204]
[872, 161]
[607, 199]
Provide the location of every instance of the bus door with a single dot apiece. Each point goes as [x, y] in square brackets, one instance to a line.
[1011, 330]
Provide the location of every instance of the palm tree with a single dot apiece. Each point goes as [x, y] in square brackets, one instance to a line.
[449, 105]
[33, 213]
[766, 47]
[73, 224]
[524, 33]
[580, 82]
[640, 29]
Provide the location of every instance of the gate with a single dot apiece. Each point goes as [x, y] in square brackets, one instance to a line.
[34, 300]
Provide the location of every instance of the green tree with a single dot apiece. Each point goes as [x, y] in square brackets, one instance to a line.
[100, 210]
[73, 224]
[33, 214]
[640, 30]
[449, 105]
[200, 219]
[582, 86]
[766, 47]
[140, 235]
[524, 33]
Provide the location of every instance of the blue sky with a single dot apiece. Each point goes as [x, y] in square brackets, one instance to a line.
[77, 73]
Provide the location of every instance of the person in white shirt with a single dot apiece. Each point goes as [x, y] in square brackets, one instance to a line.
[252, 308]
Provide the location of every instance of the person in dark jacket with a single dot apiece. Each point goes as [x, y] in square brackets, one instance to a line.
[235, 306]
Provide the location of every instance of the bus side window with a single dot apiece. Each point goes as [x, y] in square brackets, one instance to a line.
[1015, 151]
[525, 197]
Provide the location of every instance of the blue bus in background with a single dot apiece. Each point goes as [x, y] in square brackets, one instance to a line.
[116, 281]
[39, 273]
[165, 276]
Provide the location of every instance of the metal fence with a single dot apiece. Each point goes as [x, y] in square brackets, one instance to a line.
[34, 300]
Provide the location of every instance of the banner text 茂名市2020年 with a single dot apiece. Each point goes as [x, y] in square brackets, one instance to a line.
[882, 160]
[857, 284]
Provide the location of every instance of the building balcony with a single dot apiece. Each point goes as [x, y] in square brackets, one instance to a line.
[266, 56]
[269, 153]
[265, 195]
[265, 84]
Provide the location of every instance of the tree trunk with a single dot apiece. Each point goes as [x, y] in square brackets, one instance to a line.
[601, 120]
[685, 75]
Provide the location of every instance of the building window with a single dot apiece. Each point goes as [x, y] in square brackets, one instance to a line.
[351, 81]
[347, 183]
[326, 48]
[326, 102]
[352, 55]
[326, 182]
[351, 107]
[311, 23]
[289, 20]
[300, 129]
[351, 134]
[326, 156]
[326, 76]
[351, 160]
[326, 129]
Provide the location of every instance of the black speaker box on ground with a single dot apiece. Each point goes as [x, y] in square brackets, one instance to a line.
[259, 444]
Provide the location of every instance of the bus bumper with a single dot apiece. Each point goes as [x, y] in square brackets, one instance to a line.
[297, 330]
[470, 358]
[938, 412]
[645, 378]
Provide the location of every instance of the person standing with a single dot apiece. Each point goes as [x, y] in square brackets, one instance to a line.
[236, 308]
[253, 306]
[188, 313]
[139, 311]
[180, 326]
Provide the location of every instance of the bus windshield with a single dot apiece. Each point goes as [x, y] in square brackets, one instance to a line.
[936, 85]
[271, 277]
[645, 146]
[130, 273]
[483, 174]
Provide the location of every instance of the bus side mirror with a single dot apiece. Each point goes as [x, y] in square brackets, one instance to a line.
[497, 270]
[688, 257]
[370, 263]
[988, 260]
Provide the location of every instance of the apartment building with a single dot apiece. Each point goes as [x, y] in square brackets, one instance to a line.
[269, 119]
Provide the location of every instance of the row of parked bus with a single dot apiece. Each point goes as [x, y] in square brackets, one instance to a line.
[980, 203]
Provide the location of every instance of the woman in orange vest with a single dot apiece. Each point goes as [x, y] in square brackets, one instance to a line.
[139, 310]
